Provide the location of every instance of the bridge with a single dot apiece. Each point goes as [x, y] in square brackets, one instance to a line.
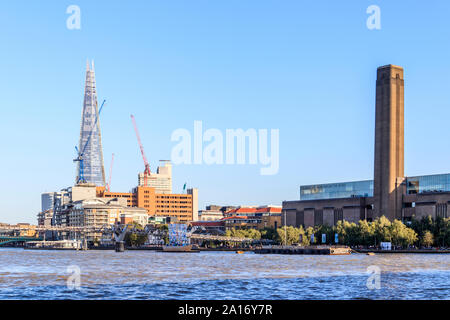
[197, 236]
[6, 239]
[107, 228]
[55, 228]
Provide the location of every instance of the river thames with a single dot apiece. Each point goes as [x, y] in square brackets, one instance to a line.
[36, 274]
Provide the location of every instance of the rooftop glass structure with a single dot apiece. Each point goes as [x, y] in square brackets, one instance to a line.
[428, 184]
[352, 189]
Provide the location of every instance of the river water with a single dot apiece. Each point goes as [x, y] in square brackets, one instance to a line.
[36, 274]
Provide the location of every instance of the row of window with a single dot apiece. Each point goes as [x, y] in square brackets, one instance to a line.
[171, 197]
[337, 190]
[173, 207]
[175, 213]
[183, 202]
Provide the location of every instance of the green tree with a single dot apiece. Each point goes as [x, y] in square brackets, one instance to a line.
[440, 231]
[308, 233]
[136, 225]
[134, 239]
[369, 233]
[293, 235]
[401, 234]
[348, 232]
[269, 234]
[366, 233]
[439, 228]
[381, 230]
[323, 229]
[427, 239]
[243, 233]
[254, 234]
[445, 236]
[130, 239]
[305, 238]
[163, 227]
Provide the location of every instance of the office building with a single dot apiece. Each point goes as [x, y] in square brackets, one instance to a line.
[47, 201]
[90, 144]
[209, 215]
[182, 207]
[161, 181]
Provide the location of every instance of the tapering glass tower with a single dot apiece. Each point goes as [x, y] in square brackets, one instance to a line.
[90, 145]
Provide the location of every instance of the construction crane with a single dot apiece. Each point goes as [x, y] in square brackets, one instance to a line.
[147, 166]
[108, 186]
[80, 153]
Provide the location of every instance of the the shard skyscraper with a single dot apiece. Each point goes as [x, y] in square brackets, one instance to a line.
[90, 145]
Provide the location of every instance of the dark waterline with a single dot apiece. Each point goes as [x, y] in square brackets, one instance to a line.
[219, 275]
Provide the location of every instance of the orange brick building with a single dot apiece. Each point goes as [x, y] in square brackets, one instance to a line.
[184, 207]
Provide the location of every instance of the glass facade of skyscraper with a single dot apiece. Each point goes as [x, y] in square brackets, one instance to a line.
[337, 190]
[90, 144]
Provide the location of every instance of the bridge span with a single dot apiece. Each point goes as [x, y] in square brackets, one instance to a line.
[106, 229]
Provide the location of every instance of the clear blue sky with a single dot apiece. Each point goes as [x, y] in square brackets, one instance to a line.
[307, 68]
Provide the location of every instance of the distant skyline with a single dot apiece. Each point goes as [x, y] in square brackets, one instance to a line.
[305, 68]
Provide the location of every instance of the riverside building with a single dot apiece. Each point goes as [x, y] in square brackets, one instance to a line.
[390, 193]
[243, 217]
[181, 207]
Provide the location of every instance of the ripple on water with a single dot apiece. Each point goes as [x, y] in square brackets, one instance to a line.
[150, 275]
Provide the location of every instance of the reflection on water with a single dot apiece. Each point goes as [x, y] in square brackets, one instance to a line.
[30, 274]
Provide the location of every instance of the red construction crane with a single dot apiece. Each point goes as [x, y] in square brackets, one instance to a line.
[147, 166]
[108, 186]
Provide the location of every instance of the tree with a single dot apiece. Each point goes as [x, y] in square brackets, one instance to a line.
[427, 239]
[137, 225]
[423, 225]
[130, 239]
[446, 232]
[440, 231]
[308, 233]
[293, 235]
[305, 237]
[381, 229]
[367, 233]
[269, 234]
[401, 234]
[163, 227]
[439, 228]
[134, 239]
[323, 229]
[348, 232]
[253, 234]
[243, 233]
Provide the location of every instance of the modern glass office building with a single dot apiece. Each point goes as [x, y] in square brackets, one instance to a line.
[351, 189]
[90, 135]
